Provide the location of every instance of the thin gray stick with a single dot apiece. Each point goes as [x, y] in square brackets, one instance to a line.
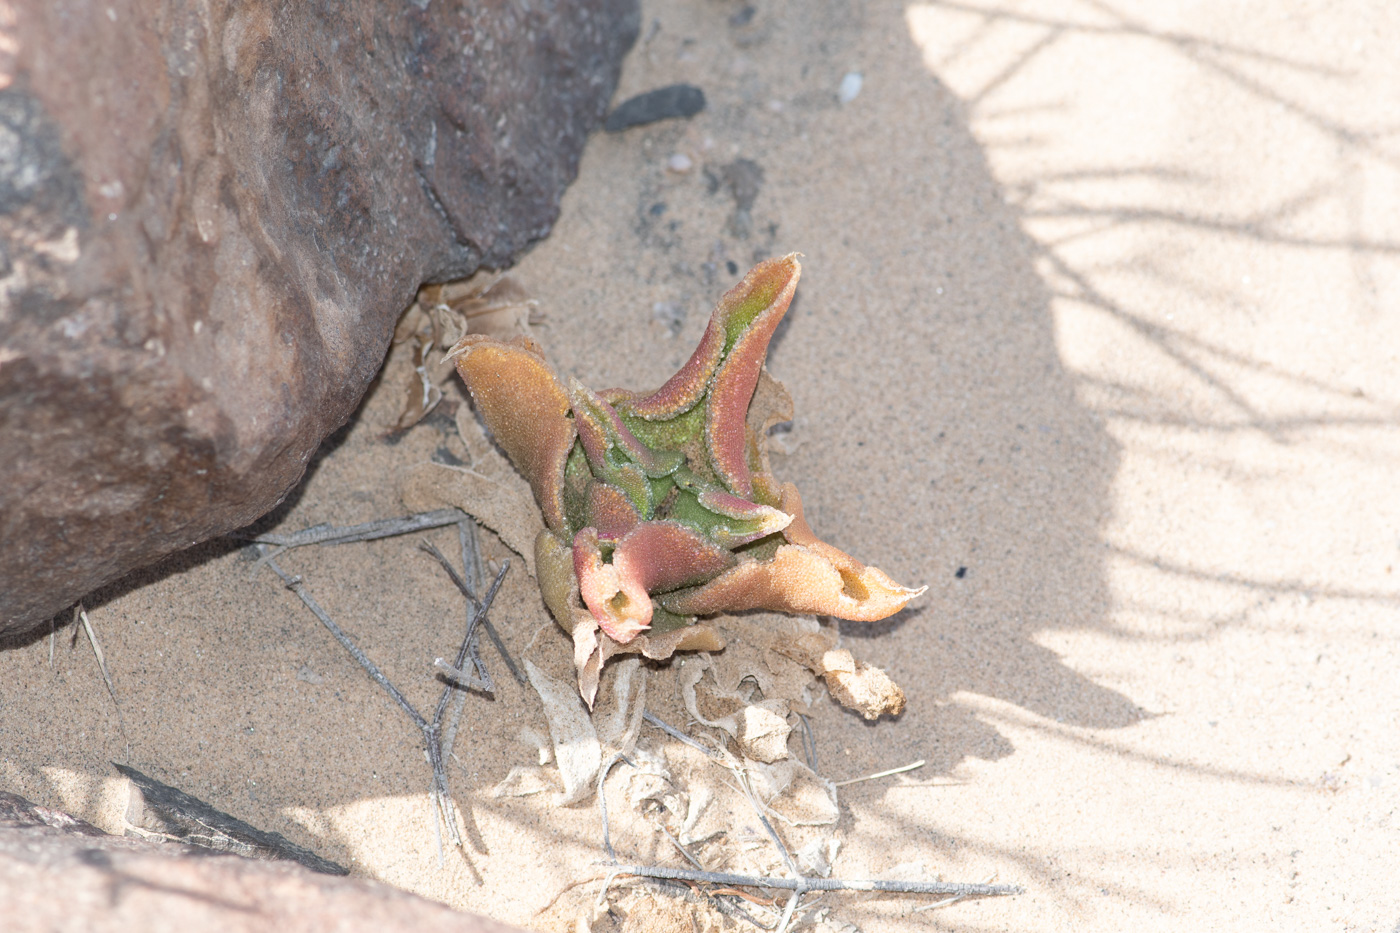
[743, 783]
[937, 904]
[809, 742]
[442, 801]
[763, 818]
[106, 677]
[471, 569]
[441, 797]
[482, 678]
[469, 645]
[471, 554]
[465, 588]
[294, 584]
[677, 888]
[787, 912]
[687, 891]
[365, 531]
[603, 803]
[805, 885]
[677, 734]
[467, 591]
[495, 637]
[462, 677]
[434, 730]
[871, 777]
[680, 848]
[710, 900]
[437, 826]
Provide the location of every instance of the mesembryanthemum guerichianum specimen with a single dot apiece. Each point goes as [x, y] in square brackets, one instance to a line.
[660, 507]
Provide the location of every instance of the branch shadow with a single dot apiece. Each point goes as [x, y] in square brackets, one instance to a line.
[1021, 519]
[993, 479]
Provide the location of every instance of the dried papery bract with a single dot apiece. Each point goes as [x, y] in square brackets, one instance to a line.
[660, 506]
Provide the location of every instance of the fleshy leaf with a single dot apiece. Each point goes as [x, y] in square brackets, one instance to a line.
[679, 433]
[614, 453]
[610, 511]
[602, 430]
[804, 575]
[795, 579]
[619, 602]
[632, 479]
[526, 409]
[591, 432]
[859, 580]
[726, 519]
[731, 506]
[554, 570]
[771, 405]
[756, 293]
[663, 621]
[665, 555]
[559, 586]
[683, 390]
[771, 286]
[653, 557]
[577, 479]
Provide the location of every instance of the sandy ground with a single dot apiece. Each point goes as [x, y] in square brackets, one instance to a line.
[1096, 336]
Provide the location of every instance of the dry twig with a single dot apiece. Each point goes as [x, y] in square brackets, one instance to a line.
[439, 793]
[799, 884]
[106, 677]
[346, 534]
[806, 884]
[870, 777]
[365, 531]
[469, 592]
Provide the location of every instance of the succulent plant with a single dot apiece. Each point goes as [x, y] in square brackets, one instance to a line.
[660, 507]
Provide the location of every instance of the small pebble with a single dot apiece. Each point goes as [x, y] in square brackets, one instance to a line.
[742, 17]
[676, 100]
[679, 163]
[850, 87]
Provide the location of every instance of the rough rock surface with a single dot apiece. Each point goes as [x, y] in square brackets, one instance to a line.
[60, 873]
[210, 216]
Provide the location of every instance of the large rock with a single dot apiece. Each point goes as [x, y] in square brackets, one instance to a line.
[211, 214]
[60, 873]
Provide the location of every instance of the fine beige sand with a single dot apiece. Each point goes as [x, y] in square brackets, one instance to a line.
[1097, 336]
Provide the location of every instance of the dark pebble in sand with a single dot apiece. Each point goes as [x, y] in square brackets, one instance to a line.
[664, 103]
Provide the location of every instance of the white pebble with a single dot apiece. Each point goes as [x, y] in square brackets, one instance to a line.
[679, 163]
[850, 87]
